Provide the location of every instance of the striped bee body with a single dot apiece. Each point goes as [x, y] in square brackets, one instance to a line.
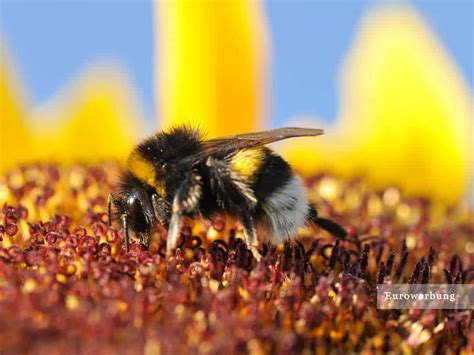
[178, 173]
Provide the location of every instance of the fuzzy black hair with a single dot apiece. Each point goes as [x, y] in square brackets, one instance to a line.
[169, 147]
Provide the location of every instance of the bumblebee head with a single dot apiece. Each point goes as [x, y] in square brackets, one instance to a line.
[134, 209]
[138, 210]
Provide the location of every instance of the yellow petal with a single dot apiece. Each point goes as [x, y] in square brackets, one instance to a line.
[96, 117]
[406, 111]
[212, 64]
[15, 138]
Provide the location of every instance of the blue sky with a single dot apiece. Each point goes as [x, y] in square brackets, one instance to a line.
[52, 41]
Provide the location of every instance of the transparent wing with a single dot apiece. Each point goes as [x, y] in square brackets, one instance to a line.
[227, 145]
[250, 140]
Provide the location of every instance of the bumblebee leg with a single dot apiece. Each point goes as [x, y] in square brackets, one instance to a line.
[125, 228]
[251, 236]
[173, 232]
[326, 224]
[110, 202]
[160, 208]
[186, 200]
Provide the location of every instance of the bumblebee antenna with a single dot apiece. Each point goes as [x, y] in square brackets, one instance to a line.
[125, 228]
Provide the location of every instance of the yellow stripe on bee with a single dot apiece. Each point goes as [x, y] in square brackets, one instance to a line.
[141, 168]
[144, 170]
[247, 162]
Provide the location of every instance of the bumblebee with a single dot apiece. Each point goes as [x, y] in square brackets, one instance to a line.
[178, 173]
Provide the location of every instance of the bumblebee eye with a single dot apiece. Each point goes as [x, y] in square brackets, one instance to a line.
[139, 210]
[134, 207]
[164, 166]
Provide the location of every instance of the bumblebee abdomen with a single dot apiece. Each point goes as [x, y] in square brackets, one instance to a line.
[246, 163]
[283, 204]
[273, 172]
[284, 211]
